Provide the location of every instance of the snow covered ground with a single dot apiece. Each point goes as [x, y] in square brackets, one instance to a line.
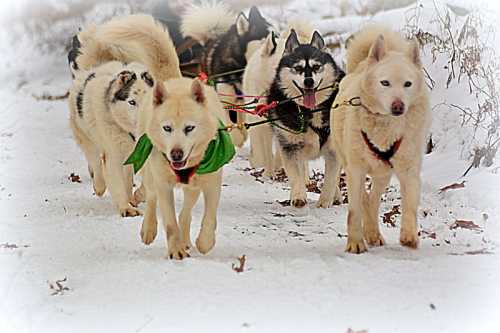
[297, 276]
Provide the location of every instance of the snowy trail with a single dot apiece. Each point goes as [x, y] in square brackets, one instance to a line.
[297, 276]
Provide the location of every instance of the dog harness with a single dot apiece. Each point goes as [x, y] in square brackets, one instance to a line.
[218, 153]
[384, 156]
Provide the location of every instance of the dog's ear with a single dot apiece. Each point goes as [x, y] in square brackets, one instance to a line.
[270, 44]
[377, 51]
[317, 41]
[198, 91]
[255, 15]
[242, 24]
[414, 53]
[292, 42]
[159, 93]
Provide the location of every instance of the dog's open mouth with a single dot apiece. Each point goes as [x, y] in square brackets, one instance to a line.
[308, 95]
[178, 165]
[182, 174]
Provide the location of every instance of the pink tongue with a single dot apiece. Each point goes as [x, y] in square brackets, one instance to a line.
[310, 99]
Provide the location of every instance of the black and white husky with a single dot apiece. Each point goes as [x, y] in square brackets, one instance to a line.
[306, 70]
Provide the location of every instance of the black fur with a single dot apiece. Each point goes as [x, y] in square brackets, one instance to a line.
[79, 96]
[123, 93]
[288, 113]
[74, 52]
[148, 79]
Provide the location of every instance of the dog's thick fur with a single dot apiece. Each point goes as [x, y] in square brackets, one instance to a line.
[225, 48]
[257, 79]
[178, 104]
[304, 70]
[103, 109]
[384, 71]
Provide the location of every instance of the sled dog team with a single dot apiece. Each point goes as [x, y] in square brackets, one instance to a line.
[129, 102]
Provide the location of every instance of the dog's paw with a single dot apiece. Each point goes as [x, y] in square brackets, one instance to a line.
[99, 189]
[205, 242]
[325, 201]
[299, 203]
[374, 239]
[177, 251]
[148, 233]
[129, 212]
[355, 246]
[409, 239]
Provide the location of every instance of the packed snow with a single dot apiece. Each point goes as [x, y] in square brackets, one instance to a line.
[69, 262]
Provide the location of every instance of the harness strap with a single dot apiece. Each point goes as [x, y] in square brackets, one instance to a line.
[383, 156]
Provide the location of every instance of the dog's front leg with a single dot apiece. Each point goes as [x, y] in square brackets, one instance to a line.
[371, 207]
[330, 191]
[355, 184]
[113, 169]
[191, 196]
[294, 168]
[410, 197]
[167, 207]
[149, 227]
[211, 194]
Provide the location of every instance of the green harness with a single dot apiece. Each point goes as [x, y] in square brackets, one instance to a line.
[219, 152]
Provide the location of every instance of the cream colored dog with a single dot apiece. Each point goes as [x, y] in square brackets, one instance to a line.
[103, 109]
[180, 116]
[381, 132]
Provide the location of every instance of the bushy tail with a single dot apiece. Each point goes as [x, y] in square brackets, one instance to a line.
[303, 29]
[207, 20]
[133, 38]
[360, 44]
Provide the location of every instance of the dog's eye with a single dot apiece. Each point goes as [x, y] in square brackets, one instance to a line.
[132, 102]
[167, 129]
[188, 129]
[298, 69]
[385, 83]
[408, 84]
[316, 68]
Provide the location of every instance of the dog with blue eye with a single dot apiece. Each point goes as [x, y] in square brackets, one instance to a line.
[305, 85]
[380, 120]
[104, 103]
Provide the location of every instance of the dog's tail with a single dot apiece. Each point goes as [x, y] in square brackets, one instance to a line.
[207, 20]
[133, 38]
[360, 44]
[303, 29]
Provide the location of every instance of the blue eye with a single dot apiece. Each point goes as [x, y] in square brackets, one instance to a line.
[408, 84]
[385, 83]
[188, 129]
[167, 129]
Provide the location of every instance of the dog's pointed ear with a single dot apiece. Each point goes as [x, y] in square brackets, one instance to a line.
[270, 44]
[414, 53]
[242, 24]
[292, 42]
[317, 41]
[198, 92]
[377, 51]
[159, 93]
[255, 15]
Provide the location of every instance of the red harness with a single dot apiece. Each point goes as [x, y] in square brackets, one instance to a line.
[383, 156]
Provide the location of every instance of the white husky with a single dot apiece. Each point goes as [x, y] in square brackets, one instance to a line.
[103, 110]
[383, 132]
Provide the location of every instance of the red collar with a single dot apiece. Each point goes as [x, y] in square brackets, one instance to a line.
[383, 156]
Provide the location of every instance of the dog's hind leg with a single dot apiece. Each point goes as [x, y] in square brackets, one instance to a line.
[371, 207]
[355, 186]
[91, 153]
[410, 197]
[211, 194]
[190, 198]
[167, 208]
[330, 191]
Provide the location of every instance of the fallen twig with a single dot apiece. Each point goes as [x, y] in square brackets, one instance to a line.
[241, 268]
[465, 224]
[57, 287]
[453, 186]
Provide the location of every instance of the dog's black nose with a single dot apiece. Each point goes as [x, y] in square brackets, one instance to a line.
[397, 107]
[176, 154]
[309, 82]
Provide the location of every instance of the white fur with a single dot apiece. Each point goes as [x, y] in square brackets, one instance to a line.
[206, 21]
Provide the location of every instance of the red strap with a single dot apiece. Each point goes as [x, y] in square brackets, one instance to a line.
[262, 109]
[203, 77]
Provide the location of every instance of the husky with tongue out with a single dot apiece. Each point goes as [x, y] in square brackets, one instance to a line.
[309, 71]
